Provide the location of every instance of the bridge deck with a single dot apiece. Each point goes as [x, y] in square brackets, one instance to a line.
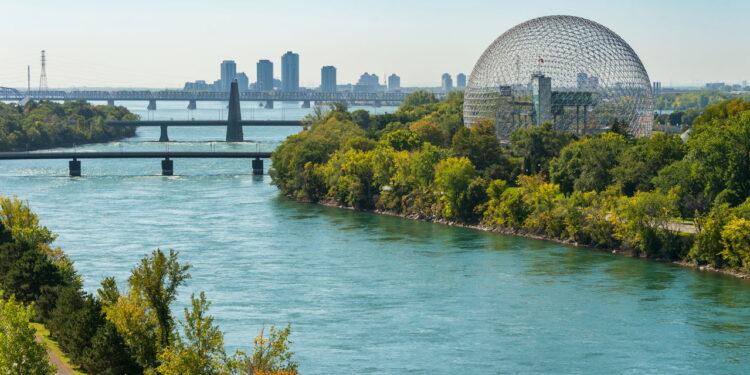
[205, 123]
[136, 155]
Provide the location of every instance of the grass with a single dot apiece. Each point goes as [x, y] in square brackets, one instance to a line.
[53, 348]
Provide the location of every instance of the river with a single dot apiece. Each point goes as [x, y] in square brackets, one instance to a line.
[375, 294]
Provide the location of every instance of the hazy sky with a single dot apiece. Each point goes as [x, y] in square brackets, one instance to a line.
[163, 43]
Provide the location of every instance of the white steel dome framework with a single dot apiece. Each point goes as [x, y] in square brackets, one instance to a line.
[569, 71]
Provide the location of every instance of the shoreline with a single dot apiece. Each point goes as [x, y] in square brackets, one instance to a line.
[510, 232]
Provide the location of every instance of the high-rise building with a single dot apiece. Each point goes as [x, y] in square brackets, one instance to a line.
[656, 88]
[368, 83]
[394, 82]
[461, 81]
[264, 75]
[242, 81]
[228, 73]
[290, 72]
[447, 82]
[328, 79]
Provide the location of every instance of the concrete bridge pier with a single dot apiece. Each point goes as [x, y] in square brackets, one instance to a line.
[258, 167]
[167, 167]
[110, 102]
[269, 104]
[193, 104]
[74, 167]
[164, 136]
[234, 129]
[151, 105]
[306, 104]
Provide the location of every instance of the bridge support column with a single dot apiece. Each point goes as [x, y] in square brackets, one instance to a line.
[164, 137]
[110, 102]
[258, 167]
[269, 104]
[151, 104]
[192, 104]
[234, 129]
[75, 168]
[167, 167]
[306, 104]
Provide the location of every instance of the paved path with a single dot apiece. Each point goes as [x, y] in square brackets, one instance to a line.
[62, 368]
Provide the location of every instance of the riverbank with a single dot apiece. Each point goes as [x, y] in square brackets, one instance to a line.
[46, 125]
[517, 233]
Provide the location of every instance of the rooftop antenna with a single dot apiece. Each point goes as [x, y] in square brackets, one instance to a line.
[28, 80]
[43, 89]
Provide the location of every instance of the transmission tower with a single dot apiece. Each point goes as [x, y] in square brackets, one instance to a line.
[43, 89]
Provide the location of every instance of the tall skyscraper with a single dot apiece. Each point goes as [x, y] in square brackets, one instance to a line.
[290, 72]
[394, 82]
[242, 81]
[447, 82]
[461, 81]
[328, 79]
[228, 74]
[656, 88]
[264, 75]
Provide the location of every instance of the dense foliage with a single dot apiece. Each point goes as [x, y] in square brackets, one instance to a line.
[111, 332]
[695, 99]
[19, 351]
[659, 197]
[39, 125]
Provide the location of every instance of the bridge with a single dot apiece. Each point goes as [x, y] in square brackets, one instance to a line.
[233, 123]
[164, 135]
[192, 97]
[167, 165]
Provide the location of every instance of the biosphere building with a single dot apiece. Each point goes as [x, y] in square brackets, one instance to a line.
[569, 71]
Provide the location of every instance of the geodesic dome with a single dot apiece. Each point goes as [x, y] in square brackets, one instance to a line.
[570, 71]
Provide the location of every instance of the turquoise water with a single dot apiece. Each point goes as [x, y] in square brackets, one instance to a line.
[382, 295]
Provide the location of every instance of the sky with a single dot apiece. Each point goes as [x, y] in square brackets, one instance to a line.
[163, 43]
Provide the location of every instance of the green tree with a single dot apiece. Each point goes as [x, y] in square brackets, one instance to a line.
[587, 165]
[452, 179]
[107, 354]
[429, 131]
[721, 149]
[201, 350]
[19, 352]
[156, 278]
[708, 242]
[647, 224]
[482, 147]
[271, 353]
[639, 164]
[419, 98]
[537, 145]
[351, 178]
[736, 240]
[401, 140]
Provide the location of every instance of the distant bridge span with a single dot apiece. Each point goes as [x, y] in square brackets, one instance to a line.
[194, 96]
[167, 165]
[234, 122]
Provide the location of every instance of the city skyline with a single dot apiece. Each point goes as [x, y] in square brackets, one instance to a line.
[128, 47]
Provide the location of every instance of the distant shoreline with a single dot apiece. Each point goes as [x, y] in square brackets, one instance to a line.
[510, 232]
